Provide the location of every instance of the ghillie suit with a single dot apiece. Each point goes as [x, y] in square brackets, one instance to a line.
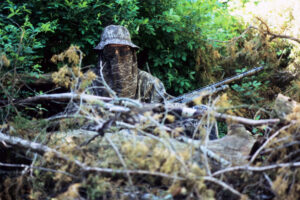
[121, 74]
[117, 65]
[150, 88]
[119, 71]
[118, 61]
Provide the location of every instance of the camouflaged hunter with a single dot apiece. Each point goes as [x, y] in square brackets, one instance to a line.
[117, 54]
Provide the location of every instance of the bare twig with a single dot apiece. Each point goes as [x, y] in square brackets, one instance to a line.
[243, 120]
[63, 97]
[267, 141]
[120, 158]
[278, 35]
[193, 112]
[268, 180]
[113, 93]
[256, 169]
[136, 172]
[67, 116]
[101, 130]
[268, 32]
[209, 114]
[82, 97]
[214, 156]
[35, 147]
[38, 168]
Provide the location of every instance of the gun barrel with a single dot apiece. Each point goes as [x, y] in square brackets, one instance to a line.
[204, 92]
[239, 76]
[213, 88]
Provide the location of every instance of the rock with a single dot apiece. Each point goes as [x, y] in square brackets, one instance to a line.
[236, 146]
[283, 106]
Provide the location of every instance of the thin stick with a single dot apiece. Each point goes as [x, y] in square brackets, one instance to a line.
[63, 97]
[39, 168]
[247, 121]
[113, 93]
[35, 147]
[256, 169]
[194, 112]
[268, 32]
[136, 172]
[267, 141]
[120, 158]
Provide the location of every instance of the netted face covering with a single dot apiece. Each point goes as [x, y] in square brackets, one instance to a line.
[120, 69]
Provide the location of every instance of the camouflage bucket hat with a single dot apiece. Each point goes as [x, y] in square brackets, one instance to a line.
[115, 34]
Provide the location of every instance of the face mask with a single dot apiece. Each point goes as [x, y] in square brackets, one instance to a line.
[120, 70]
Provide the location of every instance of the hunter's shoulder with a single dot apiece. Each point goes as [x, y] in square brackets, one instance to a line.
[142, 73]
[146, 77]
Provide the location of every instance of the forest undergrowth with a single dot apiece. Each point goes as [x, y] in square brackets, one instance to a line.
[57, 141]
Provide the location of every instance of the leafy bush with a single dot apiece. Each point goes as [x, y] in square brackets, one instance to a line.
[174, 35]
[19, 47]
[179, 50]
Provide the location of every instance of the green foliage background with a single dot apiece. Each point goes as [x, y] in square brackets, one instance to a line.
[176, 36]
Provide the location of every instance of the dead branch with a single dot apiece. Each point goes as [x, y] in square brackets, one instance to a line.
[193, 112]
[42, 149]
[62, 97]
[136, 172]
[267, 141]
[120, 157]
[187, 112]
[79, 97]
[101, 130]
[268, 32]
[34, 147]
[277, 35]
[247, 121]
[111, 92]
[38, 168]
[163, 175]
[256, 169]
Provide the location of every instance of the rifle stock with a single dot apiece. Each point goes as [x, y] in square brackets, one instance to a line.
[213, 88]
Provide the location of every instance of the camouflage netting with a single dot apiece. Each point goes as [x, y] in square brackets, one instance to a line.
[119, 70]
